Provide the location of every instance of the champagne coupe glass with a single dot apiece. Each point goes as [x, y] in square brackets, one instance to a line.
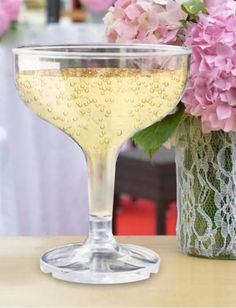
[100, 95]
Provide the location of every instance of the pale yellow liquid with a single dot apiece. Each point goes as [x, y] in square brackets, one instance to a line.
[101, 107]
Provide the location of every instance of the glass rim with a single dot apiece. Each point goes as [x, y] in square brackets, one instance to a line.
[88, 50]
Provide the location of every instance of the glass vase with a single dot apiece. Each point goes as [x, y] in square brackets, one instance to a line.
[206, 191]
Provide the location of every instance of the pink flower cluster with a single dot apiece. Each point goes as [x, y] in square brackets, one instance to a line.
[97, 5]
[211, 91]
[145, 21]
[9, 10]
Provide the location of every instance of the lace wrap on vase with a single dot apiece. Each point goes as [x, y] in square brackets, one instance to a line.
[206, 191]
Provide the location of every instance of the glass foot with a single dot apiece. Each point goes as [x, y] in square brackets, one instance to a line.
[86, 263]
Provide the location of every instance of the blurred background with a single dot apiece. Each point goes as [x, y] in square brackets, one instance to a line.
[43, 173]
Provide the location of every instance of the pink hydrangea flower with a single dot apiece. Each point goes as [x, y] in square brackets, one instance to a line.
[97, 5]
[211, 90]
[216, 5]
[9, 10]
[145, 21]
[5, 23]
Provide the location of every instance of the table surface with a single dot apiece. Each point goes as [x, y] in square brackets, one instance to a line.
[183, 281]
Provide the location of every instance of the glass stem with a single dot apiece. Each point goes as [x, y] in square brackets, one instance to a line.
[101, 195]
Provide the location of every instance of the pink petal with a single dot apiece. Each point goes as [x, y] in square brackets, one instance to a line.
[132, 11]
[223, 112]
[229, 124]
[144, 4]
[126, 31]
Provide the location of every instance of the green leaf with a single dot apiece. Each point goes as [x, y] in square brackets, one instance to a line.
[153, 137]
[14, 25]
[183, 22]
[194, 7]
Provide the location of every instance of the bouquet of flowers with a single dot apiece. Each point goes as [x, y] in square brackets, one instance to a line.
[205, 122]
[9, 10]
[209, 28]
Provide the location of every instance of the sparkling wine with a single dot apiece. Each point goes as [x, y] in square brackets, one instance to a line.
[101, 107]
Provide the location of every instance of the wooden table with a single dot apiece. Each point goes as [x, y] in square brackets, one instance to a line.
[182, 281]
